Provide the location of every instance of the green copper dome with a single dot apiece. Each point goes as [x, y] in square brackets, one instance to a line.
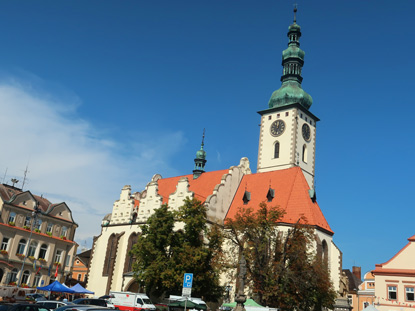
[293, 51]
[290, 91]
[201, 154]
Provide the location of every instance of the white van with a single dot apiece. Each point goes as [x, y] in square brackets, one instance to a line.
[131, 301]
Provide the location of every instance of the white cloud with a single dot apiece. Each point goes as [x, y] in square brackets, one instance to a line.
[69, 159]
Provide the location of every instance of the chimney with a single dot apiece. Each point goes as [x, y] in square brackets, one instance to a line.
[357, 272]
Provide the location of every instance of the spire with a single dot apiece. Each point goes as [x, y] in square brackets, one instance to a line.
[200, 159]
[295, 13]
[290, 91]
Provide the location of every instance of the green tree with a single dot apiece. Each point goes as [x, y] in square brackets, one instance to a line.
[282, 270]
[177, 242]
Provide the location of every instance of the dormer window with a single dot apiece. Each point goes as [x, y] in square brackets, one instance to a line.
[247, 197]
[270, 194]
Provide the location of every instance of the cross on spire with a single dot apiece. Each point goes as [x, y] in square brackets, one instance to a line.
[295, 13]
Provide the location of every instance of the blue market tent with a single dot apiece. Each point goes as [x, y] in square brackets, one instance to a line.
[80, 290]
[57, 287]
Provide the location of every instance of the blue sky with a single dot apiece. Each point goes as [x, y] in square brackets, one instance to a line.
[95, 95]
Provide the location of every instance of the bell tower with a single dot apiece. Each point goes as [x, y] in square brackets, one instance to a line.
[288, 129]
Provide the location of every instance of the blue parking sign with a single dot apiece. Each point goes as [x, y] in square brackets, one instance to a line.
[188, 280]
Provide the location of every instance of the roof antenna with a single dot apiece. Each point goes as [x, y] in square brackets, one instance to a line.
[295, 13]
[25, 175]
[4, 177]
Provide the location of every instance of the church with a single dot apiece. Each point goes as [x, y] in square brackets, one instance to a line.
[284, 177]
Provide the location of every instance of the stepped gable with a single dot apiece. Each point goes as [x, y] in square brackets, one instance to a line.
[290, 193]
[202, 186]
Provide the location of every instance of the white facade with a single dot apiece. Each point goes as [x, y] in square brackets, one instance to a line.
[122, 224]
[292, 148]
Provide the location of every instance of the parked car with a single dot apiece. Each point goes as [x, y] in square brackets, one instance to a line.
[27, 307]
[71, 306]
[53, 304]
[4, 306]
[87, 308]
[91, 301]
[35, 297]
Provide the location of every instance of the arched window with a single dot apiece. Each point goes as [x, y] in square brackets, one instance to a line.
[305, 154]
[21, 247]
[32, 249]
[13, 275]
[324, 251]
[25, 277]
[277, 150]
[12, 217]
[128, 266]
[110, 255]
[43, 251]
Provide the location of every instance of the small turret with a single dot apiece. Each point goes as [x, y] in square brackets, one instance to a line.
[200, 160]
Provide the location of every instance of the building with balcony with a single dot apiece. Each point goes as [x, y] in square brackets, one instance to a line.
[37, 239]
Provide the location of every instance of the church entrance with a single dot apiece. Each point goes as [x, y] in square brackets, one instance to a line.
[133, 287]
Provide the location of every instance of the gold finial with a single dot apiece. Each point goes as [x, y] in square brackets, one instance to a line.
[295, 13]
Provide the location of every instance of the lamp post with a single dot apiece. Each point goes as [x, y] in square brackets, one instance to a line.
[35, 212]
[241, 298]
[228, 288]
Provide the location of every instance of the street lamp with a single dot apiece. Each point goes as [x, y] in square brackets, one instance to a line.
[228, 288]
[35, 212]
[241, 298]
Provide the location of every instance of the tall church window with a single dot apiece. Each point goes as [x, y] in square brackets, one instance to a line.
[324, 251]
[277, 150]
[111, 253]
[129, 259]
[305, 154]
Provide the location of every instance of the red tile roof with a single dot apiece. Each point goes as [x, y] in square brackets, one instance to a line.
[7, 192]
[202, 186]
[291, 194]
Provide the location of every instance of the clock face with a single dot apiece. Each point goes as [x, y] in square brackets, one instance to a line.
[277, 128]
[306, 132]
